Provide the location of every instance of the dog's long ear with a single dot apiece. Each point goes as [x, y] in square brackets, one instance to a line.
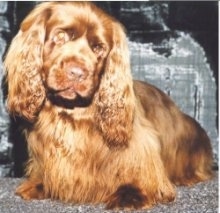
[23, 64]
[115, 101]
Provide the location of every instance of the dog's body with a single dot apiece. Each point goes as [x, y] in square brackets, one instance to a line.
[74, 168]
[123, 143]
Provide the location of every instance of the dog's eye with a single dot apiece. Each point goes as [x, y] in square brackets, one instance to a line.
[71, 33]
[98, 49]
[61, 37]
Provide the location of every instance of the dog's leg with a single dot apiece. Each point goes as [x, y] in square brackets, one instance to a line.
[143, 182]
[130, 196]
[127, 196]
[143, 178]
[31, 189]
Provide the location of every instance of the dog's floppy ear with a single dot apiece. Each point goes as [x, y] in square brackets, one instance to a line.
[115, 100]
[23, 64]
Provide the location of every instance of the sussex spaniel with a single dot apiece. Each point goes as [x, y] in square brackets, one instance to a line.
[94, 135]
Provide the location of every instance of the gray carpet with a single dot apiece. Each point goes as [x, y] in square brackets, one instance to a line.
[200, 198]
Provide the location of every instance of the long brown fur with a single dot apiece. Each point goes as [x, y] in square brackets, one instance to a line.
[94, 135]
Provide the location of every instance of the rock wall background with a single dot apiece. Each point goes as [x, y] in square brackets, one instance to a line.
[174, 45]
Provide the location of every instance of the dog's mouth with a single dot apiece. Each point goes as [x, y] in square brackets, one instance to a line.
[68, 97]
[69, 93]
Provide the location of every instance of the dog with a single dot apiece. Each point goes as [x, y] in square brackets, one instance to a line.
[94, 135]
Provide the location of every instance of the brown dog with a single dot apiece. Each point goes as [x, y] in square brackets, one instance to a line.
[94, 134]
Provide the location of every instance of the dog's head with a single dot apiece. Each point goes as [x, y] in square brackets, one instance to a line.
[70, 52]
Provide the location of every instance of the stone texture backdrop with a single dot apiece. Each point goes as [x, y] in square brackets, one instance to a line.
[173, 44]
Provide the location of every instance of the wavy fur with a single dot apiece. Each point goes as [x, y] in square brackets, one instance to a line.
[96, 135]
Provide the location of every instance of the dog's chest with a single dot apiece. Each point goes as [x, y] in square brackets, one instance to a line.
[71, 153]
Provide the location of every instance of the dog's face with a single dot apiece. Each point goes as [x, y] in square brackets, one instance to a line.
[76, 47]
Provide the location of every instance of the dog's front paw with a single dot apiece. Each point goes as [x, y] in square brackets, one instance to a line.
[128, 197]
[31, 189]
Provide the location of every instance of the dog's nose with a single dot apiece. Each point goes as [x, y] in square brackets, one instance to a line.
[75, 72]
